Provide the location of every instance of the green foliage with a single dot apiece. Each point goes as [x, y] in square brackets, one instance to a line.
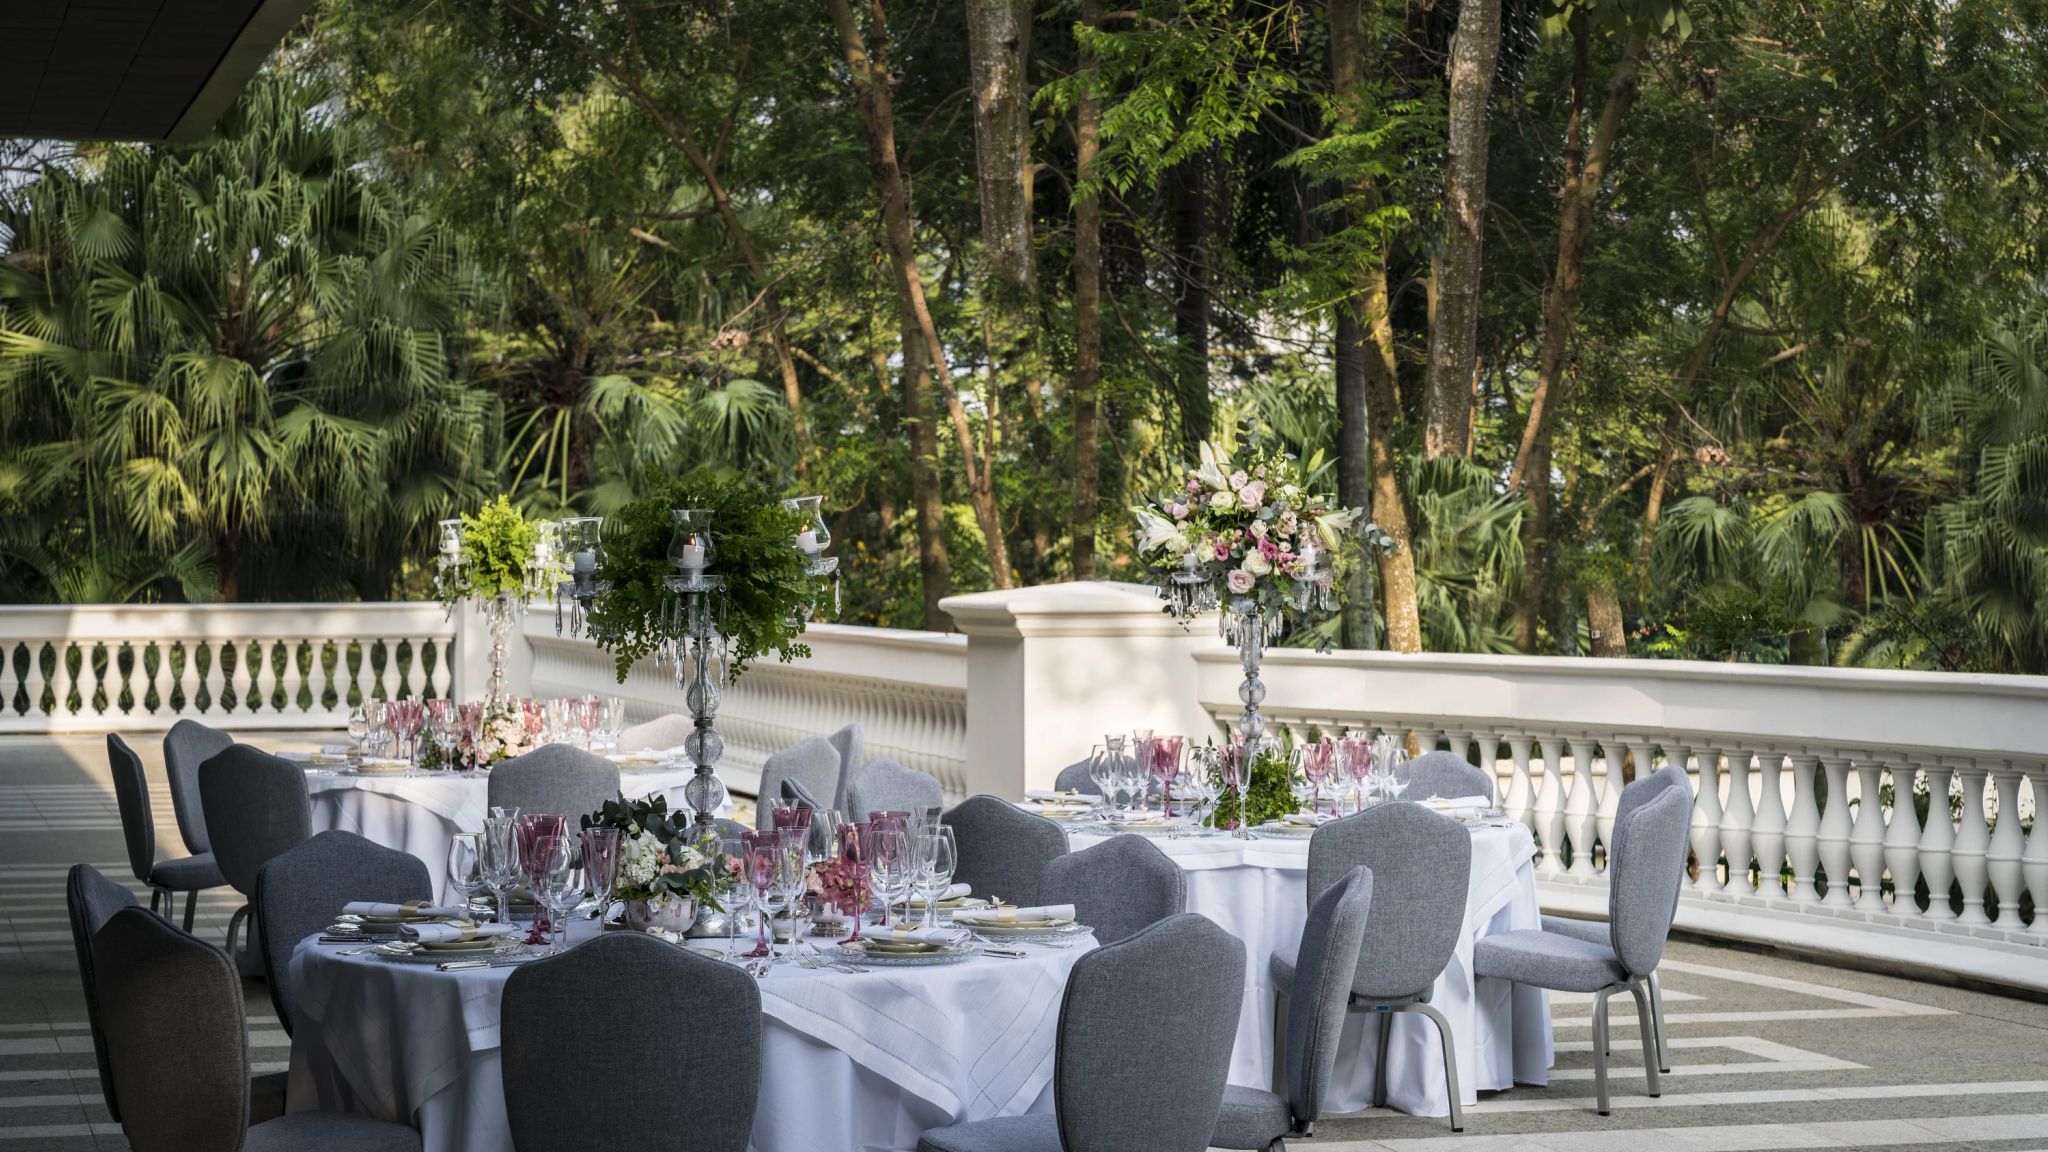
[692, 864]
[1268, 797]
[497, 545]
[766, 601]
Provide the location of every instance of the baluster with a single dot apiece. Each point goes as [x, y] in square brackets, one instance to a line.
[1738, 815]
[1706, 820]
[1610, 796]
[1581, 806]
[1802, 829]
[1867, 841]
[1521, 795]
[2003, 858]
[1645, 756]
[255, 661]
[1902, 838]
[2034, 862]
[34, 680]
[1973, 840]
[1937, 841]
[1768, 831]
[1550, 806]
[1832, 834]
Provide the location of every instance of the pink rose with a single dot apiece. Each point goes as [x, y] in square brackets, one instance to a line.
[1178, 511]
[1239, 581]
[1237, 479]
[1194, 485]
[1252, 495]
[1257, 529]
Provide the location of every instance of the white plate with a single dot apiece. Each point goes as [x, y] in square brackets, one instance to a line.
[997, 929]
[382, 766]
[414, 954]
[855, 954]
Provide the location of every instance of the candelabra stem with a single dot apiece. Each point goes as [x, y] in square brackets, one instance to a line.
[498, 615]
[1248, 629]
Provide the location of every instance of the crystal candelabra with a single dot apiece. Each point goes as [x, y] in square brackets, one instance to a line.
[583, 544]
[507, 605]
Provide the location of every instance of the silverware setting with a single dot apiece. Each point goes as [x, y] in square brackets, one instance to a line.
[464, 965]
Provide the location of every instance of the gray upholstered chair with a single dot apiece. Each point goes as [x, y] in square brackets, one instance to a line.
[166, 878]
[556, 779]
[1074, 778]
[1117, 887]
[1257, 1119]
[1445, 774]
[186, 746]
[812, 763]
[886, 786]
[657, 735]
[1649, 865]
[92, 900]
[587, 1012]
[178, 1050]
[299, 892]
[256, 807]
[1004, 850]
[851, 744]
[1638, 793]
[1152, 1081]
[1421, 868]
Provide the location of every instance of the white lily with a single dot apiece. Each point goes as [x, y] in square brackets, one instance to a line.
[1211, 471]
[1154, 530]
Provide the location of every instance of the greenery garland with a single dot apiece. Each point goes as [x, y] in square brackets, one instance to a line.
[766, 602]
[497, 545]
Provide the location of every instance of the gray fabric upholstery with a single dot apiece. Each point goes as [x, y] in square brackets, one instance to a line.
[131, 795]
[1643, 890]
[793, 792]
[658, 735]
[851, 744]
[554, 779]
[885, 786]
[812, 763]
[330, 1132]
[1331, 942]
[256, 807]
[1421, 868]
[1250, 1118]
[300, 891]
[92, 900]
[1445, 774]
[1125, 1080]
[1591, 931]
[1074, 778]
[1039, 1132]
[186, 746]
[187, 873]
[1117, 887]
[1003, 850]
[176, 1036]
[1639, 792]
[1547, 960]
[585, 1072]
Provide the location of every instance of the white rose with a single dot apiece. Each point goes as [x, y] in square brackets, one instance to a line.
[1256, 564]
[1222, 501]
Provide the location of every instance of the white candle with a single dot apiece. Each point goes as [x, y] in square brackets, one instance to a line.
[586, 562]
[693, 556]
[807, 541]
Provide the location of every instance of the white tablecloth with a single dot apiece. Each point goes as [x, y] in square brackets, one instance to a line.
[850, 1063]
[418, 814]
[1258, 889]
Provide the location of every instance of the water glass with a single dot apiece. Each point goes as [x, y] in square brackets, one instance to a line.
[501, 860]
[892, 870]
[792, 864]
[937, 858]
[557, 882]
[466, 865]
[601, 865]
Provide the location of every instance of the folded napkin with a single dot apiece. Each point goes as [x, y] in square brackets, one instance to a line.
[1459, 803]
[437, 933]
[1308, 819]
[391, 911]
[1071, 797]
[939, 936]
[952, 892]
[1141, 819]
[1018, 915]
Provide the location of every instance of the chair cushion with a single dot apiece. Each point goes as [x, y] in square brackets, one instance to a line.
[330, 1132]
[187, 873]
[1547, 960]
[1035, 1133]
[1280, 966]
[1591, 931]
[1251, 1118]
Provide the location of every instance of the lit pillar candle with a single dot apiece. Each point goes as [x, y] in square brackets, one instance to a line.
[807, 541]
[693, 556]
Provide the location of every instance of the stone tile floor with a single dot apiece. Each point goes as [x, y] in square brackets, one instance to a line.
[1770, 1053]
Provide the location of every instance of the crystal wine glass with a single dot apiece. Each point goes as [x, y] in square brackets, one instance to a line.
[501, 861]
[758, 863]
[792, 863]
[1166, 754]
[856, 842]
[601, 865]
[938, 856]
[358, 727]
[557, 883]
[892, 870]
[466, 865]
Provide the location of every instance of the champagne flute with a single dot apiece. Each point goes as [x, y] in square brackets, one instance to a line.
[792, 864]
[501, 861]
[601, 866]
[855, 842]
[758, 863]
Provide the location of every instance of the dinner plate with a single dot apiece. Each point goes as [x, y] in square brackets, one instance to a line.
[482, 944]
[373, 766]
[408, 953]
[1283, 829]
[854, 954]
[997, 929]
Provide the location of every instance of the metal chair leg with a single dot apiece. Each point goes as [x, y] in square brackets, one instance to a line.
[191, 906]
[1600, 1046]
[1657, 1014]
[1280, 1043]
[1644, 1020]
[1379, 1066]
[1443, 1031]
[234, 924]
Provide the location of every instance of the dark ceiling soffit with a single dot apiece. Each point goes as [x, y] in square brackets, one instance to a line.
[252, 46]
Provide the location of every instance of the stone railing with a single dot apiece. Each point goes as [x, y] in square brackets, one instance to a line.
[1797, 771]
[98, 668]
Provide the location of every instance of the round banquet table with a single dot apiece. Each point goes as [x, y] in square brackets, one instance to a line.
[1258, 890]
[849, 1062]
[418, 814]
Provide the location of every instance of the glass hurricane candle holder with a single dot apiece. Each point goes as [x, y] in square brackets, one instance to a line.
[692, 549]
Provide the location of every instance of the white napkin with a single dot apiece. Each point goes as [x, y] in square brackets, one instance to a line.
[388, 911]
[1308, 819]
[1140, 819]
[1459, 803]
[952, 892]
[1018, 915]
[1057, 797]
[941, 936]
[449, 933]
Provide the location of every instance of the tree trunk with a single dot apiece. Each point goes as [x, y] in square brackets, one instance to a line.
[870, 72]
[1454, 335]
[999, 52]
[934, 567]
[1354, 465]
[1087, 310]
[1188, 210]
[1604, 624]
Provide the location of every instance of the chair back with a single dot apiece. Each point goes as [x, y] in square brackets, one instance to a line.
[186, 746]
[851, 744]
[92, 900]
[177, 1041]
[131, 794]
[1642, 893]
[1421, 868]
[1003, 851]
[300, 891]
[1324, 969]
[884, 785]
[1151, 1080]
[657, 735]
[812, 764]
[1074, 778]
[556, 779]
[255, 807]
[1641, 791]
[1445, 774]
[1117, 887]
[624, 1031]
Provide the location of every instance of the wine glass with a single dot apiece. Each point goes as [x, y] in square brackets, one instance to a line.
[856, 842]
[501, 860]
[1166, 754]
[1358, 761]
[557, 883]
[938, 855]
[466, 865]
[759, 865]
[792, 862]
[611, 722]
[1099, 771]
[601, 865]
[732, 851]
[892, 870]
[824, 838]
[358, 727]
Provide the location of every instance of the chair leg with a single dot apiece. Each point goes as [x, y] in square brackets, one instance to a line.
[1600, 1046]
[191, 907]
[1379, 1066]
[1657, 1014]
[1443, 1030]
[234, 924]
[1280, 1043]
[1645, 1019]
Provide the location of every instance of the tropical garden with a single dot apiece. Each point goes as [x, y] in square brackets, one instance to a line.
[1713, 329]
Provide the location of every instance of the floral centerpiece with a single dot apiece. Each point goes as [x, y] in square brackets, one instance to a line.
[667, 873]
[840, 884]
[507, 728]
[498, 560]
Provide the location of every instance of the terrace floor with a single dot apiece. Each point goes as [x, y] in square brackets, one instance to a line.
[1770, 1053]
